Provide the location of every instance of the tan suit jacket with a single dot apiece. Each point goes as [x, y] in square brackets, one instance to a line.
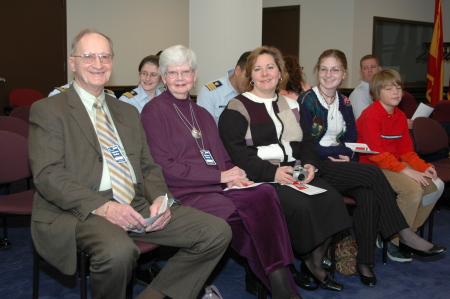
[67, 163]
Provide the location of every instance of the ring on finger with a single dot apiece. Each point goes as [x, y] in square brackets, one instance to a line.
[128, 225]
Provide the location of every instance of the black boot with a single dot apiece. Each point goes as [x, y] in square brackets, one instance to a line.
[145, 276]
[251, 281]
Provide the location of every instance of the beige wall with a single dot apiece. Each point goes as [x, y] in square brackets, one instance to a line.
[347, 25]
[218, 38]
[137, 27]
[142, 27]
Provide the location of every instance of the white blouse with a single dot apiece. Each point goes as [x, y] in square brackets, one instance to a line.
[335, 120]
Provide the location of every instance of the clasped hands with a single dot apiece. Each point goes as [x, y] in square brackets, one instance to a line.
[234, 177]
[284, 176]
[128, 219]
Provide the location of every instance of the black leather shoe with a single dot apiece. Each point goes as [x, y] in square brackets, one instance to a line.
[302, 279]
[326, 263]
[330, 284]
[251, 281]
[435, 250]
[145, 276]
[367, 281]
[327, 284]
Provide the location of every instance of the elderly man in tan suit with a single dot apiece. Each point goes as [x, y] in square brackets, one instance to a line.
[83, 203]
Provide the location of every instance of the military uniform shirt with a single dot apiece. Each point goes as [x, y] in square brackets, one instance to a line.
[215, 95]
[138, 97]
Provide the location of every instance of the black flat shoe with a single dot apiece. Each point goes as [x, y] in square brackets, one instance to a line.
[435, 250]
[366, 280]
[327, 284]
[302, 280]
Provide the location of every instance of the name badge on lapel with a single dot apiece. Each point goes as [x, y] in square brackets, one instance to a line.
[208, 157]
[116, 153]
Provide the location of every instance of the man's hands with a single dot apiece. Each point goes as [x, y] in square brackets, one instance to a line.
[122, 215]
[128, 219]
[163, 220]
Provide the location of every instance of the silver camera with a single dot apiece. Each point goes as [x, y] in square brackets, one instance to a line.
[300, 173]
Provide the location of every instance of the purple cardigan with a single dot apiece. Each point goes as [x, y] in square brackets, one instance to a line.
[175, 150]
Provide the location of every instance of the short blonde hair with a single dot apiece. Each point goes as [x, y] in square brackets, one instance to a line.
[367, 57]
[381, 79]
[277, 56]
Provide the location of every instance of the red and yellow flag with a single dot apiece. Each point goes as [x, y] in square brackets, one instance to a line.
[435, 76]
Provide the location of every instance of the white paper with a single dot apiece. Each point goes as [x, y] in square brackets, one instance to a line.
[243, 187]
[306, 188]
[359, 148]
[150, 220]
[422, 111]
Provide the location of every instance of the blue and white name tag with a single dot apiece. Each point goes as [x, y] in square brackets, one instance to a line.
[116, 153]
[208, 157]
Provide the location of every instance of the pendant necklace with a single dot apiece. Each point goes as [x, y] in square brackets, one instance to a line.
[331, 102]
[196, 133]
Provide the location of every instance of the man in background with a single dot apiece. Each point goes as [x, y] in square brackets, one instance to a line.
[215, 95]
[360, 97]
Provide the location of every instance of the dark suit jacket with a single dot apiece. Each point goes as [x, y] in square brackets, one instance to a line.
[66, 162]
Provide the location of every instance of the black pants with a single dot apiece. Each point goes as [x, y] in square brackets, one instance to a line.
[377, 208]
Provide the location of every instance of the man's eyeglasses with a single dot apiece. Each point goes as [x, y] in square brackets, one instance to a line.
[324, 70]
[90, 58]
[145, 75]
[174, 75]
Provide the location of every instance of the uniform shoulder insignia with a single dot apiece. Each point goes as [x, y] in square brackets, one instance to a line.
[213, 85]
[110, 92]
[130, 94]
[61, 89]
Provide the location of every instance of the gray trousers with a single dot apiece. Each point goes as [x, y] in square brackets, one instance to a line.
[202, 239]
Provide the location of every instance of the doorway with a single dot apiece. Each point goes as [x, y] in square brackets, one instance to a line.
[281, 28]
